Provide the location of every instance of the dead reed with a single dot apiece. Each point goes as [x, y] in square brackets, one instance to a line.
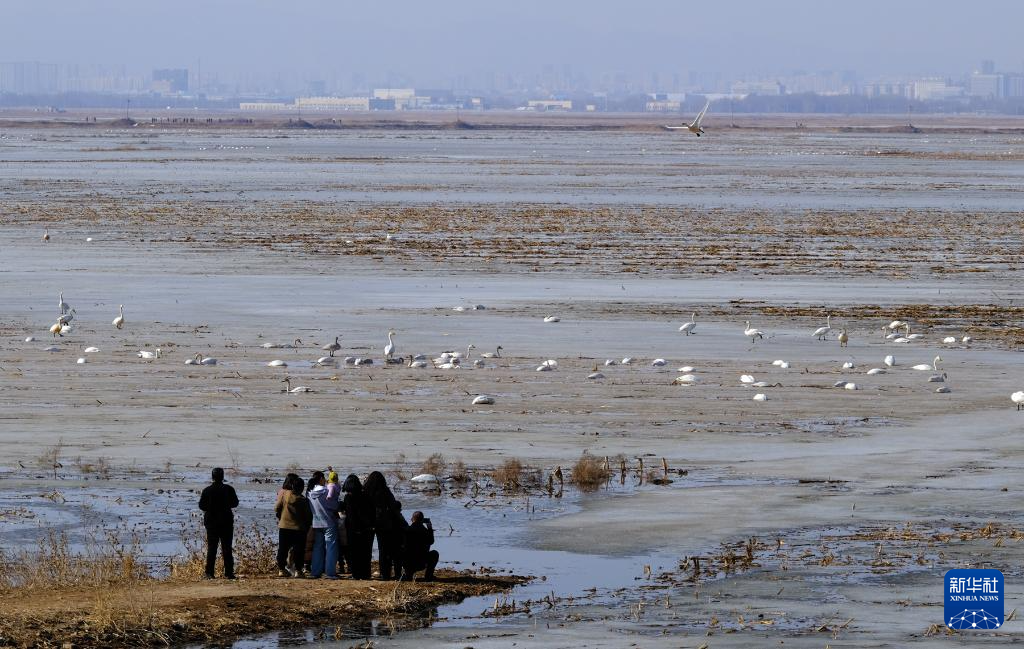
[109, 558]
[434, 465]
[509, 476]
[590, 472]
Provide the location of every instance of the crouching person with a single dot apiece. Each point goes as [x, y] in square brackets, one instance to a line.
[417, 553]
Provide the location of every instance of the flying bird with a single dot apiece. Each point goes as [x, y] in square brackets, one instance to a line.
[694, 126]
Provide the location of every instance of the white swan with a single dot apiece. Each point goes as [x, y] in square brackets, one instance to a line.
[929, 368]
[91, 350]
[949, 340]
[760, 396]
[944, 389]
[552, 318]
[149, 356]
[610, 362]
[478, 362]
[688, 327]
[627, 360]
[894, 325]
[30, 339]
[424, 478]
[821, 333]
[746, 378]
[483, 400]
[1018, 398]
[332, 347]
[46, 234]
[325, 361]
[781, 364]
[875, 370]
[967, 340]
[495, 354]
[444, 358]
[299, 389]
[752, 332]
[119, 320]
[686, 379]
[844, 338]
[686, 369]
[451, 364]
[889, 360]
[389, 349]
[81, 361]
[658, 362]
[911, 336]
[51, 348]
[848, 365]
[694, 126]
[595, 375]
[417, 364]
[852, 386]
[277, 363]
[62, 306]
[545, 368]
[199, 359]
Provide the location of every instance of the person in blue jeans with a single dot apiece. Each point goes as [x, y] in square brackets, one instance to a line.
[324, 505]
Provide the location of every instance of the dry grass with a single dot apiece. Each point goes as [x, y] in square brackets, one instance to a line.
[509, 475]
[100, 467]
[49, 459]
[254, 548]
[459, 473]
[110, 559]
[434, 465]
[590, 473]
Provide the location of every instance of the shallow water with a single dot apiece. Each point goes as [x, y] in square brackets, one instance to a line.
[790, 172]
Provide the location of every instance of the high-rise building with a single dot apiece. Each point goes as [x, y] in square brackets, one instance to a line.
[170, 81]
[988, 86]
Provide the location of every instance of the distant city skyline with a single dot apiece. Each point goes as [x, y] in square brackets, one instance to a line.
[266, 46]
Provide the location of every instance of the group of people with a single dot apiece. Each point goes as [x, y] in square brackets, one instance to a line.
[326, 528]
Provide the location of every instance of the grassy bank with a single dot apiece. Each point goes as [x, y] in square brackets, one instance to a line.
[106, 594]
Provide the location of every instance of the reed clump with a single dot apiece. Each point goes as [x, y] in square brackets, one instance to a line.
[509, 475]
[434, 465]
[590, 473]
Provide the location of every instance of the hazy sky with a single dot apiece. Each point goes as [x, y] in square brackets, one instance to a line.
[441, 39]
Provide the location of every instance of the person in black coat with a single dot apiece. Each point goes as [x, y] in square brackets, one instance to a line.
[384, 527]
[216, 502]
[358, 528]
[418, 555]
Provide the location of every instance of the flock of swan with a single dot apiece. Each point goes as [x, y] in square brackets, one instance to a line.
[896, 332]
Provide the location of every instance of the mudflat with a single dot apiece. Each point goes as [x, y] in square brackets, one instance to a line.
[256, 246]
